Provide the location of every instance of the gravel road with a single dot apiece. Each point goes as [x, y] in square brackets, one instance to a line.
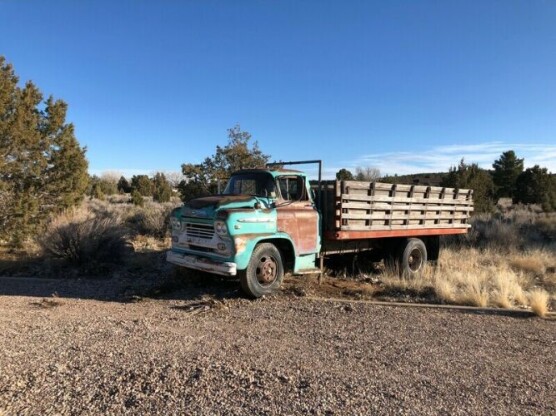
[283, 355]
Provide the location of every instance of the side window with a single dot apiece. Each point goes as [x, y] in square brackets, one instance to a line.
[292, 188]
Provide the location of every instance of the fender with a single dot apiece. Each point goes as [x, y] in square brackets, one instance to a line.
[246, 243]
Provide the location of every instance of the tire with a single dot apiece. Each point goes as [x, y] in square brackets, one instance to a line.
[413, 257]
[264, 273]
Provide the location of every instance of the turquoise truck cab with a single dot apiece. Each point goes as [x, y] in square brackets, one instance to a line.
[264, 223]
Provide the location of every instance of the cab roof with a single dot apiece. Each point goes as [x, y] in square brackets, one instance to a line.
[273, 171]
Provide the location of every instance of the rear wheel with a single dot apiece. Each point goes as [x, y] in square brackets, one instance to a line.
[408, 258]
[413, 258]
[264, 273]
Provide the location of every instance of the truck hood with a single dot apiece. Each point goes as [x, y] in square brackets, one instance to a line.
[207, 206]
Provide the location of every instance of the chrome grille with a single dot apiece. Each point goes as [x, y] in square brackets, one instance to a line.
[205, 231]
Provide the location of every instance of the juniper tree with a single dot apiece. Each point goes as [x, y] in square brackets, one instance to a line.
[471, 176]
[123, 186]
[536, 186]
[142, 184]
[43, 169]
[202, 178]
[162, 191]
[344, 175]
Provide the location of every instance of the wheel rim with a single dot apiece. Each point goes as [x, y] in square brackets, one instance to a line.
[415, 260]
[267, 270]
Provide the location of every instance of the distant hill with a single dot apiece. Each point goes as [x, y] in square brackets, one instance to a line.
[427, 179]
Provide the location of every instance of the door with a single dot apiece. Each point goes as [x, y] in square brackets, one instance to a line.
[297, 214]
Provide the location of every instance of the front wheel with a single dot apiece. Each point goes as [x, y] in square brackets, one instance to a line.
[264, 273]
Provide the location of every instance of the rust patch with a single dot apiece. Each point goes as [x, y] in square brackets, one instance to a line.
[240, 240]
[300, 221]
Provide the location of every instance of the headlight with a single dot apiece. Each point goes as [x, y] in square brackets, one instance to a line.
[175, 223]
[220, 228]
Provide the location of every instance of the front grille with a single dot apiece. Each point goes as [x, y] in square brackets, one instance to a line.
[205, 231]
[201, 249]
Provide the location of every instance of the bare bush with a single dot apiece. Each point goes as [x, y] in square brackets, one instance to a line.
[79, 237]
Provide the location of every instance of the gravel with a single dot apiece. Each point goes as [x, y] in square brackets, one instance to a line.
[224, 355]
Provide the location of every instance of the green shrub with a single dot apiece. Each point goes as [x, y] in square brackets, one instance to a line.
[137, 198]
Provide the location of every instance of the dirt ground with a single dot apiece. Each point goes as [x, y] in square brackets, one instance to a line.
[115, 347]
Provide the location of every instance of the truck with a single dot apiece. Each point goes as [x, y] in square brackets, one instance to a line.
[272, 221]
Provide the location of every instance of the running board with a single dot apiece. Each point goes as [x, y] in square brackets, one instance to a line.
[306, 271]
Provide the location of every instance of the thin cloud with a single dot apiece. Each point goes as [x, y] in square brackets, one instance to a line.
[441, 158]
[435, 159]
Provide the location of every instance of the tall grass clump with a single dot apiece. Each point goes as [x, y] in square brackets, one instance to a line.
[468, 276]
[538, 299]
[82, 238]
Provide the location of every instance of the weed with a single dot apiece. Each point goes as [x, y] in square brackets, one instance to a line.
[46, 303]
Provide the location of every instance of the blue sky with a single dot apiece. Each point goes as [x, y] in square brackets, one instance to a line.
[405, 86]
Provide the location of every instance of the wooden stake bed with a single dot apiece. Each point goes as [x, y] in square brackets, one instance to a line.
[376, 210]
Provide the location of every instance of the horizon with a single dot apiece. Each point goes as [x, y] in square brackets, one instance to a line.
[402, 87]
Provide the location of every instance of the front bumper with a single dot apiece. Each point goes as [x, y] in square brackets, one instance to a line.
[201, 263]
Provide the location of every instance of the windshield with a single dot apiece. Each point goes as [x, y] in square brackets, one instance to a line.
[256, 184]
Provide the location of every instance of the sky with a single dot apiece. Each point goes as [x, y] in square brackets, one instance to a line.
[403, 86]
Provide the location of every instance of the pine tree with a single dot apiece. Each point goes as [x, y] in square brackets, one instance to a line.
[506, 171]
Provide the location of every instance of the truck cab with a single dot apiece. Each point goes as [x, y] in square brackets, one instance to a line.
[264, 223]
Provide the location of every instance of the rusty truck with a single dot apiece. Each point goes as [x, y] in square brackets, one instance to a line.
[271, 221]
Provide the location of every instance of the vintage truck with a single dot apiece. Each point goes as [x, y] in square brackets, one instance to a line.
[273, 221]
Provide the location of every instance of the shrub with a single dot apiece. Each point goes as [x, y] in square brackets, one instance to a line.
[137, 198]
[79, 237]
[153, 220]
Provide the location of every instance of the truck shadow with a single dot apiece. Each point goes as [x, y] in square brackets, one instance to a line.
[146, 275]
[121, 289]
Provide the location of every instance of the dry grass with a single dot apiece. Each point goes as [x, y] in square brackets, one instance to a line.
[538, 300]
[483, 278]
[501, 261]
